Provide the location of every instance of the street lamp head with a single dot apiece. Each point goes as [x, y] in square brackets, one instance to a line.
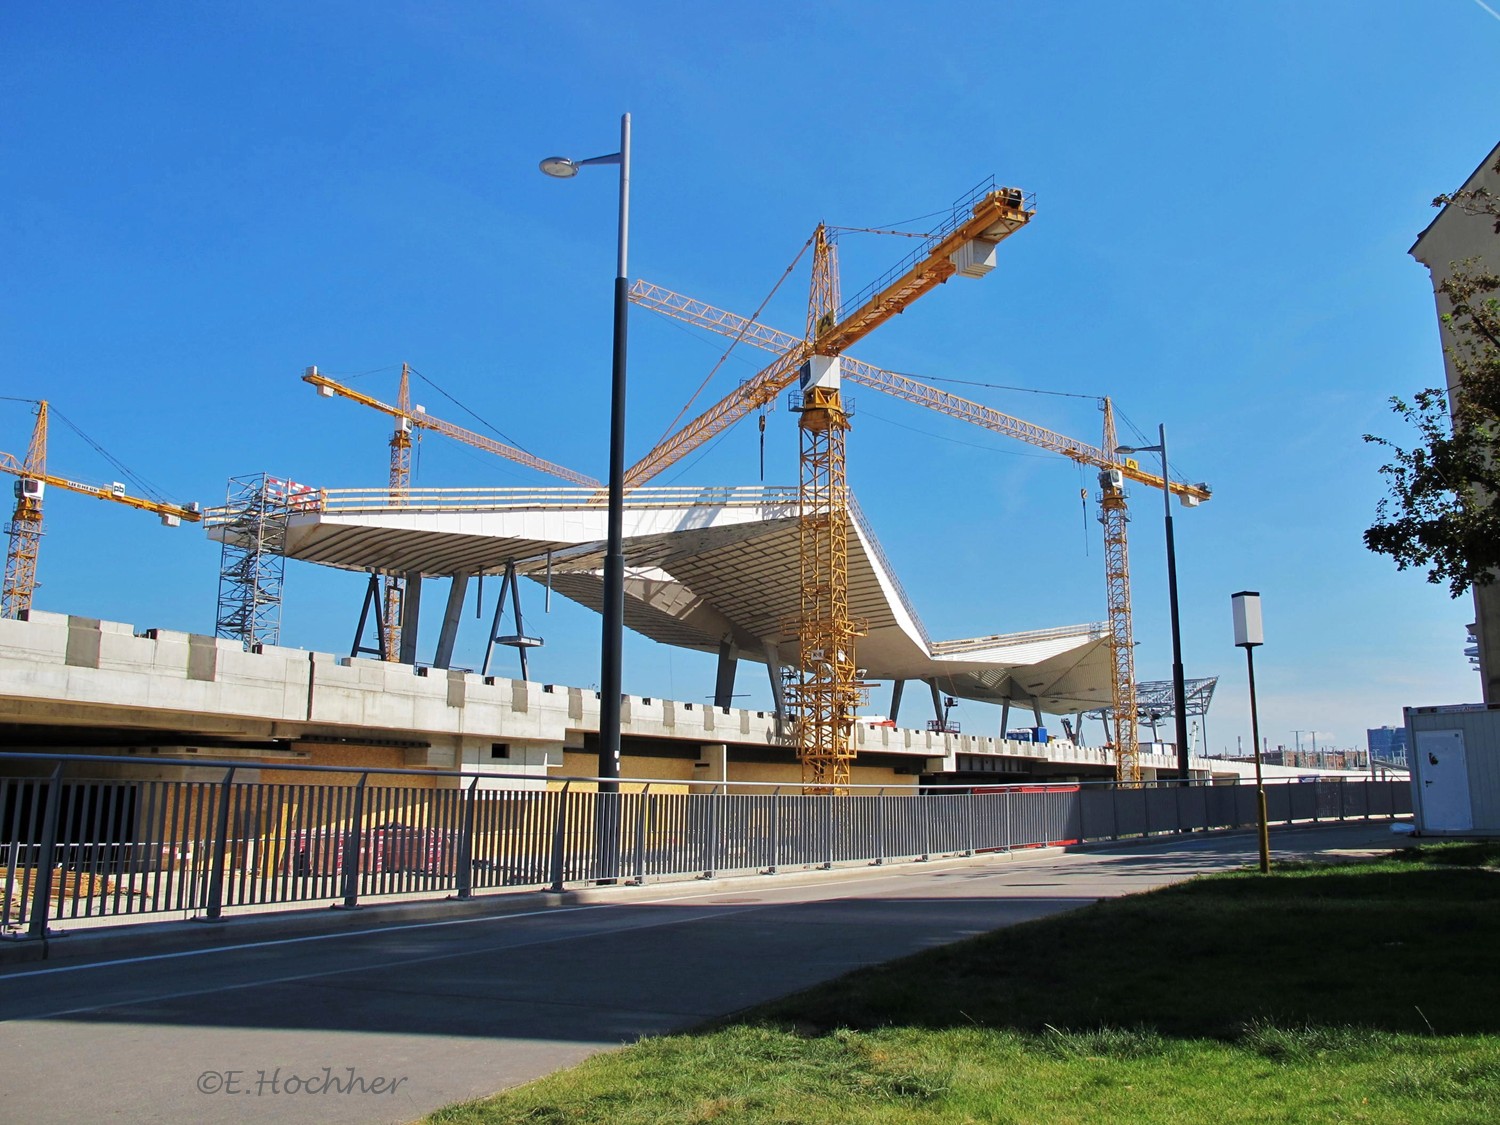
[560, 167]
[1137, 449]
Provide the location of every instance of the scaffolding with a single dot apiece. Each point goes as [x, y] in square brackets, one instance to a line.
[252, 565]
[1155, 703]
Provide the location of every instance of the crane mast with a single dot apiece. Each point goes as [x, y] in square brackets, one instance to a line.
[26, 524]
[1114, 515]
[395, 584]
[827, 694]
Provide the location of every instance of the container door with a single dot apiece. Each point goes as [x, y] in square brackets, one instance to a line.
[1444, 771]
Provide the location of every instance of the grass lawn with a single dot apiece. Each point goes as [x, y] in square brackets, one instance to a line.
[1361, 993]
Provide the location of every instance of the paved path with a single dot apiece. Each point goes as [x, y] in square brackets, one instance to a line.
[435, 1012]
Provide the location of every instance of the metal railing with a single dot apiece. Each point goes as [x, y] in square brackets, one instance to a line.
[79, 846]
[502, 499]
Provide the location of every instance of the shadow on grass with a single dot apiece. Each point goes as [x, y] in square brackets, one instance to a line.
[1400, 945]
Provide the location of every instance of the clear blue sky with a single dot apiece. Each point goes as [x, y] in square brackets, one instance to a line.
[201, 200]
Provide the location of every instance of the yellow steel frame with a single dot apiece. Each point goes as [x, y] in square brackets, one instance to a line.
[26, 527]
[827, 694]
[26, 523]
[395, 584]
[426, 421]
[1114, 515]
[1114, 512]
[997, 215]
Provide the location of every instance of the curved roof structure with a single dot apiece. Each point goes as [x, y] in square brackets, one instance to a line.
[703, 566]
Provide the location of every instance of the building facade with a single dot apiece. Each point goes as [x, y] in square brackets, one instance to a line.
[1457, 235]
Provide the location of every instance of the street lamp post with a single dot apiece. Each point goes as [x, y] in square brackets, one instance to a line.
[1179, 685]
[1248, 633]
[614, 557]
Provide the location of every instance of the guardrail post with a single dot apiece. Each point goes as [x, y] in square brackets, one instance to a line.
[221, 850]
[828, 801]
[969, 819]
[1177, 803]
[1009, 845]
[41, 885]
[557, 840]
[640, 835]
[716, 818]
[1083, 837]
[926, 807]
[880, 827]
[775, 831]
[464, 876]
[355, 839]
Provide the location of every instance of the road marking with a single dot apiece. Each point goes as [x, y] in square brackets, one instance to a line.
[550, 911]
[368, 967]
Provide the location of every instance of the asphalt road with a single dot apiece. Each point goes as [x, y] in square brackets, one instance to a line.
[385, 1025]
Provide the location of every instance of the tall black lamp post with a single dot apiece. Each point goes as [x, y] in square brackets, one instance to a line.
[1179, 686]
[1247, 635]
[614, 556]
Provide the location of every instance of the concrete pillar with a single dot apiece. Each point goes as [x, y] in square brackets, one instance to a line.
[411, 608]
[724, 683]
[937, 701]
[1036, 711]
[896, 689]
[451, 614]
[1004, 717]
[778, 689]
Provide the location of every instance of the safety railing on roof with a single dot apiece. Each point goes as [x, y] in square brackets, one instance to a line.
[868, 534]
[780, 501]
[1093, 631]
[961, 212]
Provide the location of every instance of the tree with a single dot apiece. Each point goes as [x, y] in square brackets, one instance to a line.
[1444, 509]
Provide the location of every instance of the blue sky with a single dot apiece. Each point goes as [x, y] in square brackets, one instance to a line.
[201, 200]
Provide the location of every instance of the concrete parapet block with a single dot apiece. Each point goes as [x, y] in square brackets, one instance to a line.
[203, 657]
[83, 643]
[42, 637]
[520, 696]
[458, 688]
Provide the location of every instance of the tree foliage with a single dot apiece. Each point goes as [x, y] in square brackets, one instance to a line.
[1443, 512]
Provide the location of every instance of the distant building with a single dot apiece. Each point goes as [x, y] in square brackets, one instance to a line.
[1454, 236]
[1387, 744]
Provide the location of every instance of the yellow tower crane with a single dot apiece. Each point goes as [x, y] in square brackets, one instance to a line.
[26, 522]
[827, 692]
[1113, 473]
[408, 418]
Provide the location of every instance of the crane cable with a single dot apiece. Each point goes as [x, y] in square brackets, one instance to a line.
[672, 425]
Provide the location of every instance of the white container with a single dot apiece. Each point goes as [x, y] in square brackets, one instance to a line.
[1455, 769]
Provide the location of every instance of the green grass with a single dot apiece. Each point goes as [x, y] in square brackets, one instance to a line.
[1361, 993]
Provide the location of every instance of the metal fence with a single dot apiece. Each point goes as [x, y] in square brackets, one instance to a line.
[77, 847]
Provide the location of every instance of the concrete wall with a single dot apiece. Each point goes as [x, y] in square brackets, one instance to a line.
[208, 695]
